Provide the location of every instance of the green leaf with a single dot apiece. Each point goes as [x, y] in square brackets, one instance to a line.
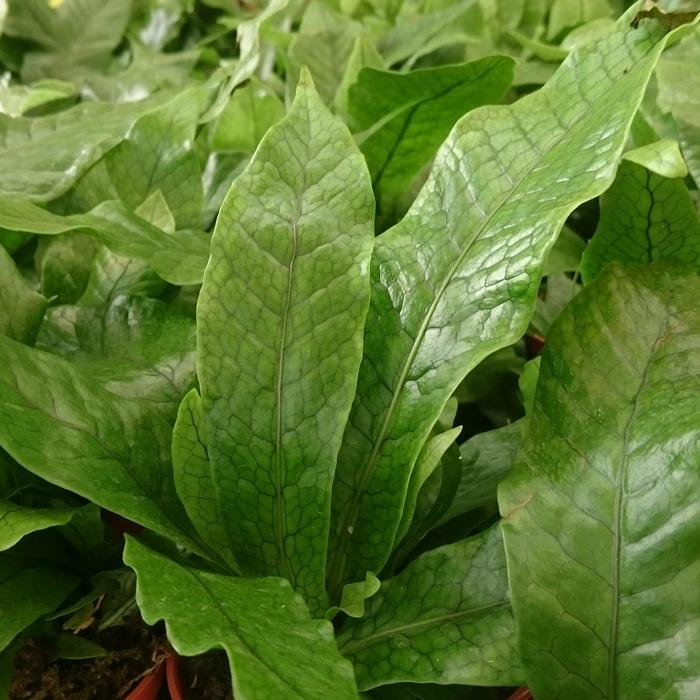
[21, 308]
[644, 217]
[193, 478]
[17, 100]
[72, 431]
[17, 521]
[70, 646]
[352, 600]
[364, 54]
[77, 32]
[446, 618]
[402, 118]
[324, 45]
[42, 157]
[179, 258]
[567, 14]
[601, 510]
[274, 649]
[248, 37]
[27, 593]
[158, 156]
[278, 371]
[566, 253]
[560, 290]
[661, 157]
[457, 278]
[486, 461]
[250, 112]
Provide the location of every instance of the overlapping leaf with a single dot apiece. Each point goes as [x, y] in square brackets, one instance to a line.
[457, 278]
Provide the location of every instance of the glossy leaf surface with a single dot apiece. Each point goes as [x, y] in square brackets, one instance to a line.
[601, 509]
[457, 278]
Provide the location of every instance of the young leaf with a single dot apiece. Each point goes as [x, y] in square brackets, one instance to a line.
[662, 157]
[644, 217]
[457, 278]
[486, 460]
[600, 512]
[278, 364]
[446, 618]
[408, 115]
[21, 308]
[71, 431]
[274, 649]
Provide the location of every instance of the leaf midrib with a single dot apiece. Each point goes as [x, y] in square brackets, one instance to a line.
[352, 648]
[617, 517]
[366, 475]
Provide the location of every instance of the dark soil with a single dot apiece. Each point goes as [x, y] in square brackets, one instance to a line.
[133, 650]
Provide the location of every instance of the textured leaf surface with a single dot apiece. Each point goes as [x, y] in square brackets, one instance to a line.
[158, 156]
[41, 157]
[280, 321]
[193, 479]
[601, 510]
[275, 650]
[179, 258]
[28, 592]
[21, 308]
[73, 432]
[444, 619]
[644, 217]
[457, 278]
[410, 114]
[661, 157]
[17, 521]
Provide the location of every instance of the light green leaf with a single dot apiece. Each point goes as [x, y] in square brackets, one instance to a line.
[75, 33]
[352, 600]
[528, 383]
[445, 619]
[661, 157]
[601, 512]
[559, 291]
[42, 157]
[644, 217]
[402, 118]
[413, 32]
[274, 649]
[567, 14]
[364, 54]
[193, 478]
[27, 593]
[16, 100]
[158, 156]
[457, 278]
[250, 112]
[248, 37]
[427, 462]
[486, 461]
[324, 44]
[70, 430]
[278, 371]
[21, 308]
[136, 348]
[179, 258]
[566, 254]
[17, 521]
